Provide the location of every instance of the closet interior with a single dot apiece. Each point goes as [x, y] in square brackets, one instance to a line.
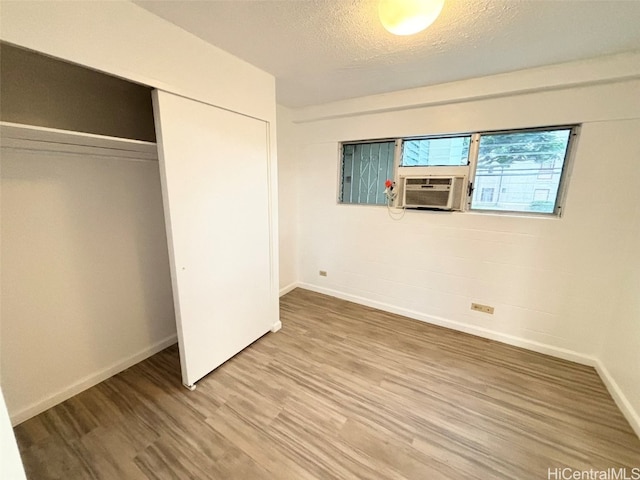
[86, 287]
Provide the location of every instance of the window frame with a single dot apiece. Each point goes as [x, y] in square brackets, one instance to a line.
[565, 175]
[469, 169]
[434, 137]
[340, 177]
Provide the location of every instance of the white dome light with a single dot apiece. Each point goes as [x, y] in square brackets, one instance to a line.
[406, 17]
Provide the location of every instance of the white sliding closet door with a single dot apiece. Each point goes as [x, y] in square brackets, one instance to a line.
[215, 178]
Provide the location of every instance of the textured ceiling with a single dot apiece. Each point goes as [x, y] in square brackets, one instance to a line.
[326, 50]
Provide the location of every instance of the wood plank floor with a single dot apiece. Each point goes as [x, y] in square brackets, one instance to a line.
[342, 391]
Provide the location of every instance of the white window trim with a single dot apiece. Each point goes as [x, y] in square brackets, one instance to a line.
[565, 176]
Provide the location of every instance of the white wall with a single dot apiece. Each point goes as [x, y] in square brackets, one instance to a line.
[287, 200]
[554, 283]
[620, 354]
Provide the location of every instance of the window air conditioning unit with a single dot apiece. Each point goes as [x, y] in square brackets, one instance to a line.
[434, 192]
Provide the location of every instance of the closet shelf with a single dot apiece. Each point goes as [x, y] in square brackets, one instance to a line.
[29, 137]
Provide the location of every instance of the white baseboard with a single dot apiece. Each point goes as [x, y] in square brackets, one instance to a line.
[620, 398]
[559, 352]
[276, 326]
[288, 288]
[614, 389]
[89, 381]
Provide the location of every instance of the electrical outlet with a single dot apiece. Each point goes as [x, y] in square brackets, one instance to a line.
[323, 273]
[482, 308]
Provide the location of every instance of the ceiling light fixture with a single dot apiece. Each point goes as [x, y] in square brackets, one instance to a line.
[406, 17]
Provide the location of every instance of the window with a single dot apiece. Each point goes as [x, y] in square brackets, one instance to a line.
[522, 171]
[365, 167]
[513, 162]
[431, 152]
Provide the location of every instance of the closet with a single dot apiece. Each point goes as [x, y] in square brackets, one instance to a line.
[107, 238]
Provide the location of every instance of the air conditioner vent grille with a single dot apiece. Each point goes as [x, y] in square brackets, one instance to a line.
[433, 198]
[428, 181]
[440, 181]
